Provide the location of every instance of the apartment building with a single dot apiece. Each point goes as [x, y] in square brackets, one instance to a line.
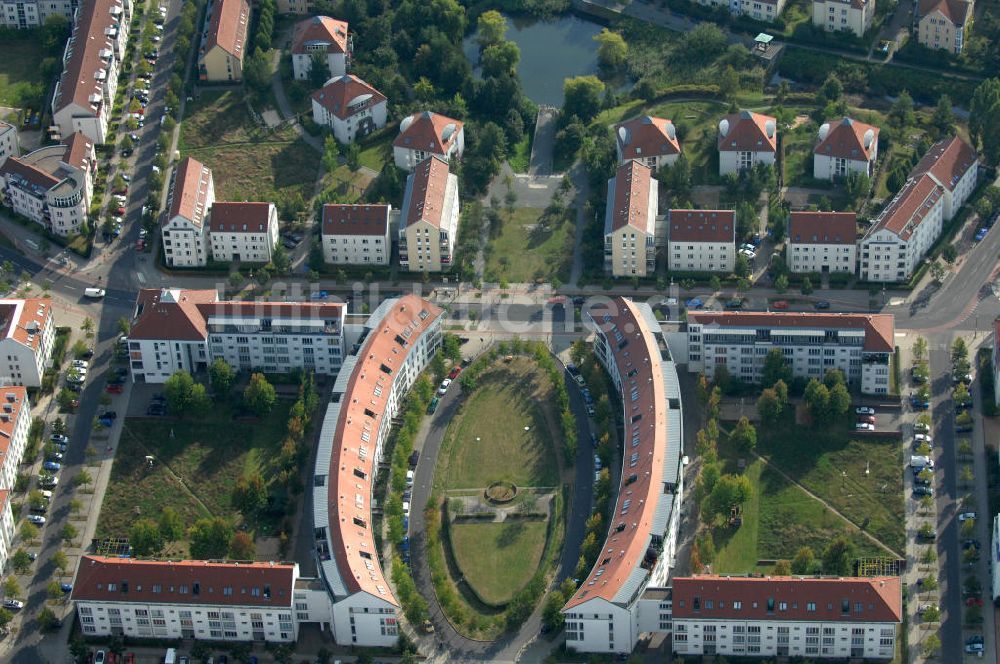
[995, 541]
[295, 6]
[845, 147]
[52, 186]
[175, 329]
[996, 361]
[324, 37]
[185, 231]
[811, 617]
[650, 141]
[603, 616]
[427, 134]
[15, 421]
[186, 599]
[903, 232]
[954, 165]
[701, 241]
[745, 140]
[85, 92]
[356, 234]
[860, 345]
[6, 526]
[243, 232]
[428, 226]
[943, 24]
[26, 14]
[822, 241]
[350, 108]
[26, 346]
[9, 145]
[630, 222]
[854, 16]
[759, 10]
[397, 343]
[224, 42]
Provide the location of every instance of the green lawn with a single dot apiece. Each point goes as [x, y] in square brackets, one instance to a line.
[531, 247]
[196, 464]
[509, 397]
[498, 559]
[698, 128]
[20, 79]
[520, 157]
[860, 478]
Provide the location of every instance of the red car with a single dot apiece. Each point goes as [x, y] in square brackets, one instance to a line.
[974, 601]
[779, 304]
[115, 389]
[120, 210]
[870, 419]
[140, 245]
[130, 658]
[454, 373]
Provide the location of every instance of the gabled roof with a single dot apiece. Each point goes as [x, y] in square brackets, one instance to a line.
[240, 217]
[848, 139]
[363, 219]
[908, 208]
[633, 185]
[425, 198]
[880, 329]
[79, 151]
[227, 27]
[747, 131]
[13, 404]
[23, 321]
[947, 161]
[347, 95]
[170, 313]
[428, 131]
[32, 174]
[702, 226]
[319, 31]
[822, 227]
[958, 12]
[805, 599]
[203, 582]
[189, 197]
[90, 48]
[647, 137]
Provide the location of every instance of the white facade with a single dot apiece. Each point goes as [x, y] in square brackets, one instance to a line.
[190, 621]
[701, 240]
[822, 257]
[251, 242]
[43, 187]
[9, 146]
[903, 233]
[702, 257]
[15, 421]
[768, 638]
[845, 147]
[302, 64]
[185, 244]
[185, 232]
[24, 14]
[356, 234]
[428, 226]
[995, 555]
[860, 345]
[346, 129]
[759, 10]
[854, 16]
[6, 527]
[427, 134]
[736, 161]
[26, 346]
[822, 242]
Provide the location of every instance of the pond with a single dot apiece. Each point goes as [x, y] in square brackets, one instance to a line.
[551, 51]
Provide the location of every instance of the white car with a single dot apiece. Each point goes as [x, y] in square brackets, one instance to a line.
[100, 657]
[81, 364]
[967, 516]
[922, 438]
[409, 478]
[406, 509]
[864, 410]
[917, 461]
[444, 387]
[35, 519]
[14, 604]
[920, 427]
[864, 426]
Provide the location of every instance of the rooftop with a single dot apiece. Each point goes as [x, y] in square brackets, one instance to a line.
[90, 48]
[347, 95]
[747, 131]
[880, 329]
[227, 27]
[947, 161]
[428, 131]
[425, 197]
[342, 219]
[647, 137]
[702, 226]
[629, 194]
[958, 12]
[847, 139]
[189, 196]
[908, 208]
[822, 227]
[320, 33]
[240, 217]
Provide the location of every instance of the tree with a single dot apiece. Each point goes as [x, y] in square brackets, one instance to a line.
[931, 645]
[491, 28]
[55, 31]
[744, 436]
[782, 568]
[840, 400]
[82, 478]
[728, 81]
[222, 376]
[259, 395]
[582, 97]
[919, 349]
[901, 114]
[177, 390]
[210, 538]
[856, 185]
[46, 618]
[832, 88]
[257, 70]
[170, 525]
[242, 547]
[53, 590]
[817, 398]
[29, 531]
[319, 70]
[768, 406]
[20, 561]
[742, 267]
[807, 286]
[775, 368]
[944, 117]
[803, 561]
[781, 283]
[838, 558]
[959, 351]
[145, 538]
[11, 588]
[69, 532]
[250, 494]
[500, 59]
[60, 560]
[938, 272]
[729, 490]
[612, 51]
[984, 117]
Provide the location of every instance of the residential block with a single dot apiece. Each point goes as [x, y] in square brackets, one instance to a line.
[630, 222]
[428, 226]
[350, 107]
[243, 232]
[324, 38]
[845, 147]
[185, 230]
[745, 140]
[650, 141]
[822, 241]
[427, 134]
[356, 234]
[224, 42]
[701, 240]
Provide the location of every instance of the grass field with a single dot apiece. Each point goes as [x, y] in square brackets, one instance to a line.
[196, 464]
[520, 156]
[525, 251]
[20, 79]
[860, 478]
[508, 398]
[498, 559]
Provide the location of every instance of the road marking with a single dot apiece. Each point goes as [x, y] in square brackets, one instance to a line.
[141, 277]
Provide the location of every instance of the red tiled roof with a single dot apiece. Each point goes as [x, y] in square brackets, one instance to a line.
[822, 227]
[748, 132]
[947, 161]
[184, 582]
[633, 186]
[285, 310]
[626, 548]
[355, 219]
[13, 400]
[426, 188]
[702, 226]
[79, 151]
[361, 414]
[240, 217]
[347, 95]
[78, 81]
[647, 137]
[958, 12]
[846, 140]
[880, 329]
[909, 207]
[33, 174]
[320, 30]
[227, 27]
[171, 314]
[33, 315]
[189, 198]
[880, 598]
[429, 132]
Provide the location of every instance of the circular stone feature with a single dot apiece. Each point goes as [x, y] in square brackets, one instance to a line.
[500, 493]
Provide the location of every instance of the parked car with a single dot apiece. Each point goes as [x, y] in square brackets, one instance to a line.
[101, 657]
[115, 389]
[973, 648]
[779, 304]
[963, 428]
[864, 426]
[48, 481]
[81, 364]
[919, 404]
[13, 604]
[59, 438]
[414, 458]
[922, 490]
[694, 303]
[444, 387]
[980, 234]
[66, 587]
[51, 465]
[966, 516]
[922, 438]
[921, 427]
[735, 303]
[864, 410]
[453, 374]
[109, 415]
[35, 519]
[870, 419]
[822, 304]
